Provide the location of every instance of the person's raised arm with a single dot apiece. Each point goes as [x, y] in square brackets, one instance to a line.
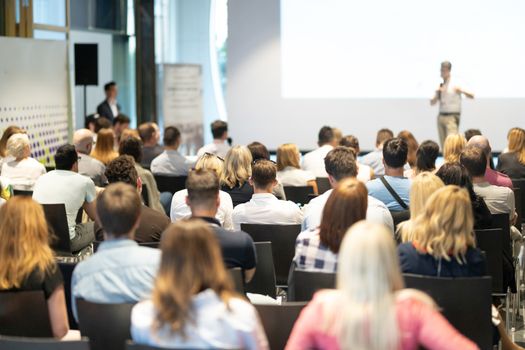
[56, 305]
[464, 92]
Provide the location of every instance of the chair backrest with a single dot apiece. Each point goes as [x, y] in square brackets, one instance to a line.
[21, 343]
[298, 194]
[518, 193]
[155, 245]
[263, 281]
[57, 223]
[399, 216]
[283, 239]
[170, 184]
[461, 300]
[491, 242]
[302, 285]
[520, 183]
[145, 195]
[106, 325]
[24, 314]
[237, 279]
[502, 221]
[22, 193]
[323, 184]
[278, 321]
[66, 268]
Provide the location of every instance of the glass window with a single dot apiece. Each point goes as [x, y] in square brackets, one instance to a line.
[48, 35]
[50, 12]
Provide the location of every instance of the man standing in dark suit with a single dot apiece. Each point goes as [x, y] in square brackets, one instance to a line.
[109, 108]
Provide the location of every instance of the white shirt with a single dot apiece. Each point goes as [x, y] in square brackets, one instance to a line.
[22, 175]
[374, 160]
[450, 100]
[216, 325]
[499, 199]
[217, 147]
[376, 212]
[265, 208]
[314, 161]
[171, 163]
[114, 107]
[68, 187]
[363, 172]
[291, 176]
[180, 210]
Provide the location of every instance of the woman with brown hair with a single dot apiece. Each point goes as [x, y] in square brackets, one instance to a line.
[512, 163]
[26, 260]
[289, 171]
[104, 148]
[413, 145]
[318, 249]
[193, 304]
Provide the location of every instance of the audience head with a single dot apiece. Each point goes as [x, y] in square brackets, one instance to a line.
[482, 143]
[237, 166]
[83, 141]
[352, 142]
[382, 136]
[346, 205]
[516, 139]
[18, 146]
[102, 123]
[111, 91]
[288, 156]
[149, 133]
[219, 130]
[24, 242]
[326, 136]
[66, 158]
[258, 151]
[264, 175]
[446, 227]
[118, 210]
[446, 67]
[340, 163]
[452, 148]
[395, 152]
[457, 174]
[211, 162]
[338, 135]
[474, 160]
[8, 132]
[172, 137]
[203, 191]
[426, 156]
[120, 123]
[471, 132]
[129, 133]
[412, 146]
[132, 147]
[191, 262]
[104, 150]
[122, 169]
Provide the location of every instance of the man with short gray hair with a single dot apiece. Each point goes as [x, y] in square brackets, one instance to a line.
[492, 176]
[87, 165]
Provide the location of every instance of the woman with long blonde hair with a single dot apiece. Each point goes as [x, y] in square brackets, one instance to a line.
[369, 310]
[512, 163]
[289, 171]
[454, 145]
[27, 262]
[104, 149]
[236, 172]
[193, 303]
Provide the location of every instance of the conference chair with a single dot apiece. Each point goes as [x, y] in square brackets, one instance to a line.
[66, 268]
[399, 216]
[24, 314]
[22, 343]
[106, 325]
[170, 184]
[145, 195]
[263, 281]
[502, 221]
[22, 193]
[323, 184]
[491, 243]
[236, 276]
[298, 194]
[278, 322]
[520, 183]
[49, 168]
[465, 303]
[283, 239]
[302, 285]
[519, 210]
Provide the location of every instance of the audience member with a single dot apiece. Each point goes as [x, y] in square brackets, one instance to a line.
[259, 151]
[338, 136]
[340, 164]
[128, 133]
[150, 136]
[470, 133]
[104, 150]
[203, 198]
[120, 271]
[180, 209]
[219, 146]
[109, 108]
[8, 132]
[456, 174]
[413, 145]
[370, 309]
[171, 162]
[22, 171]
[492, 176]
[26, 260]
[392, 189]
[364, 172]
[151, 223]
[133, 147]
[101, 123]
[120, 123]
[87, 165]
[426, 156]
[237, 170]
[314, 161]
[452, 147]
[264, 207]
[512, 163]
[65, 186]
[193, 303]
[374, 159]
[317, 250]
[289, 172]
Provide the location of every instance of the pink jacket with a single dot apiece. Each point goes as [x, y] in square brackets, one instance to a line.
[419, 324]
[496, 178]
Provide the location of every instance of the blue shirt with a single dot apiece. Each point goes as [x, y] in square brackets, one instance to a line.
[120, 271]
[401, 185]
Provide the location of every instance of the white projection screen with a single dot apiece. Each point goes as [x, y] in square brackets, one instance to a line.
[295, 65]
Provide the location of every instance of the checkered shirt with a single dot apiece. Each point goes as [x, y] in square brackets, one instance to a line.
[312, 255]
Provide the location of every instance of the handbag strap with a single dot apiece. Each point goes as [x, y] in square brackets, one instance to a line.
[394, 193]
